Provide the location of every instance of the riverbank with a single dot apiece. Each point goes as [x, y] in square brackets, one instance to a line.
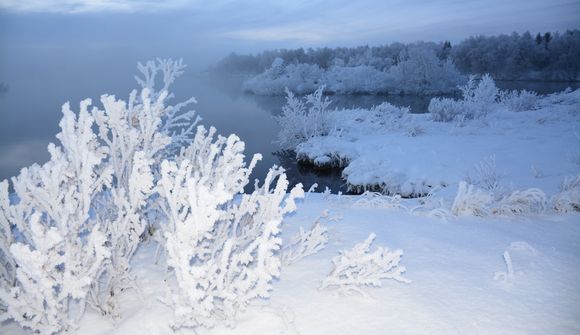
[389, 150]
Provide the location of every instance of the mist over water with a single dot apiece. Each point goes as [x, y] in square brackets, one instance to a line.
[39, 82]
[48, 59]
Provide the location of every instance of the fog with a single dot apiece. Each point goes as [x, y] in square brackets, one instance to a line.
[57, 51]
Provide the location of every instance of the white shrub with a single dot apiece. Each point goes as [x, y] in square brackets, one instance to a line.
[519, 101]
[444, 109]
[471, 201]
[137, 134]
[568, 199]
[485, 175]
[528, 201]
[121, 214]
[479, 97]
[378, 200]
[478, 100]
[300, 120]
[176, 122]
[7, 262]
[359, 267]
[62, 247]
[306, 243]
[70, 233]
[223, 250]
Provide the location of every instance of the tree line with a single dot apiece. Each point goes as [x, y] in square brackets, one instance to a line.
[545, 56]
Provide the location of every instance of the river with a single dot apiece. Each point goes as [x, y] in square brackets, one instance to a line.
[33, 93]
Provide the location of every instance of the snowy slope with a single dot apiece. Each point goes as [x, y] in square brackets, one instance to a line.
[451, 263]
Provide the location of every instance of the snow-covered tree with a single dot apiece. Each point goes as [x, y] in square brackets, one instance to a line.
[223, 248]
[62, 247]
[479, 97]
[420, 71]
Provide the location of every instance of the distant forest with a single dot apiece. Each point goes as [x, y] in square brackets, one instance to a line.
[545, 56]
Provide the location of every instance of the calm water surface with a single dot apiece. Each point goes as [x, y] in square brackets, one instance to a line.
[32, 94]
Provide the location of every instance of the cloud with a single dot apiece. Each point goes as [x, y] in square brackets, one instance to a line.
[87, 6]
[276, 34]
[325, 22]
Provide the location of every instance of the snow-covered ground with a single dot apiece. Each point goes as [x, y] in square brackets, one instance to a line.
[460, 282]
[390, 150]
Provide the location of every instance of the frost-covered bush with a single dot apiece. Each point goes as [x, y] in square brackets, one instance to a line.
[307, 243]
[478, 100]
[360, 267]
[121, 213]
[69, 233]
[176, 121]
[445, 109]
[223, 249]
[568, 198]
[485, 175]
[479, 97]
[62, 247]
[137, 134]
[518, 101]
[528, 201]
[378, 200]
[7, 262]
[471, 201]
[301, 120]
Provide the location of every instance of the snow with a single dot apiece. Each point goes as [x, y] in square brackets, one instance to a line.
[418, 71]
[451, 265]
[492, 246]
[534, 148]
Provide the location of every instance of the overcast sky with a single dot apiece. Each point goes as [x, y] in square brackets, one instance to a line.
[216, 27]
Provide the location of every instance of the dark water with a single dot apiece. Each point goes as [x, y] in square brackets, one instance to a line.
[33, 92]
